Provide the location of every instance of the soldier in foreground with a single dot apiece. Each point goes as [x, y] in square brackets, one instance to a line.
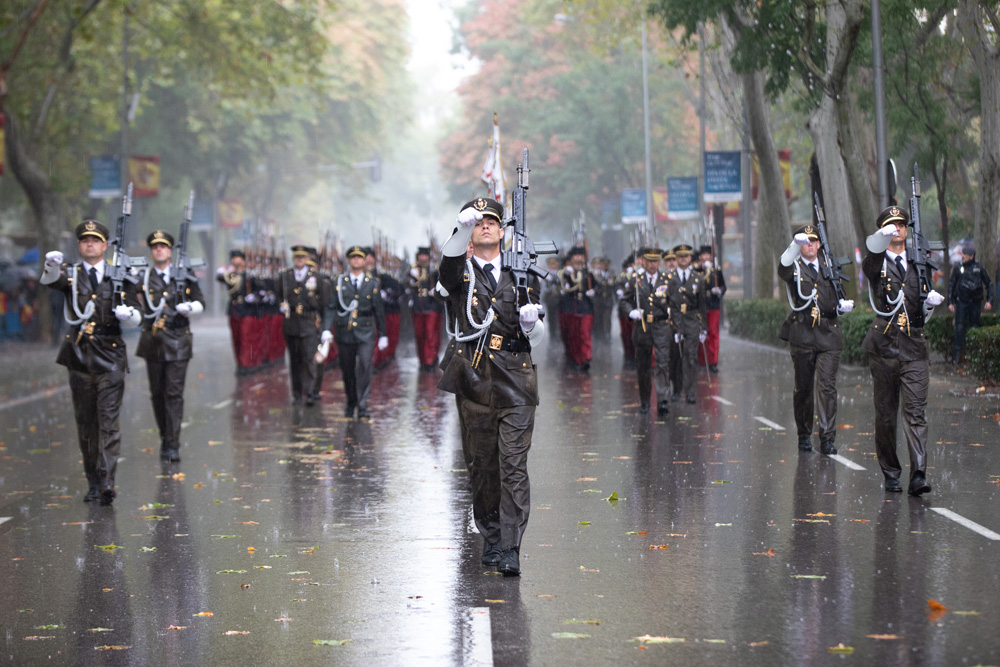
[300, 296]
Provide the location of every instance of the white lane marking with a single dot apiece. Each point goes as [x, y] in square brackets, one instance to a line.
[477, 648]
[768, 422]
[4, 519]
[47, 393]
[222, 404]
[847, 462]
[721, 400]
[971, 525]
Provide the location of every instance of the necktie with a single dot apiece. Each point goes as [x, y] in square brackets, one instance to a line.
[488, 269]
[899, 265]
[93, 278]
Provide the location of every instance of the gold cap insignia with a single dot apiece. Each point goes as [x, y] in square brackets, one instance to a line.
[90, 226]
[158, 235]
[893, 211]
[480, 204]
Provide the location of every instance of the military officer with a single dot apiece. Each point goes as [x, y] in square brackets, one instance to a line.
[425, 309]
[651, 331]
[300, 297]
[687, 313]
[897, 349]
[966, 288]
[674, 366]
[166, 340]
[577, 289]
[93, 351]
[326, 282]
[815, 337]
[356, 314]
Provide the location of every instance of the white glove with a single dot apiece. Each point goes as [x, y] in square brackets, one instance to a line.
[221, 271]
[845, 306]
[382, 294]
[53, 258]
[717, 291]
[250, 298]
[569, 270]
[469, 217]
[800, 239]
[678, 338]
[635, 314]
[439, 288]
[629, 271]
[124, 313]
[620, 294]
[183, 308]
[311, 283]
[383, 342]
[415, 272]
[703, 336]
[528, 316]
[641, 271]
[590, 292]
[934, 298]
[326, 337]
[888, 231]
[283, 308]
[269, 298]
[707, 264]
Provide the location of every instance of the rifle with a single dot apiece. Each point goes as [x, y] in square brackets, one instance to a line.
[919, 249]
[121, 266]
[635, 258]
[183, 265]
[831, 268]
[521, 256]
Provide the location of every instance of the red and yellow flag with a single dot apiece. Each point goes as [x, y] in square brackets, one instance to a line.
[230, 213]
[144, 173]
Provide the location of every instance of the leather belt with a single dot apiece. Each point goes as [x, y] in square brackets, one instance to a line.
[661, 318]
[515, 345]
[92, 329]
[178, 323]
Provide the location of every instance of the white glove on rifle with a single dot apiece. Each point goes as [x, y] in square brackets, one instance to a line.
[527, 316]
[568, 269]
[128, 315]
[250, 298]
[221, 271]
[183, 308]
[311, 283]
[383, 342]
[717, 291]
[620, 293]
[326, 336]
[590, 292]
[934, 298]
[283, 308]
[635, 314]
[707, 264]
[703, 336]
[880, 240]
[678, 337]
[415, 272]
[845, 306]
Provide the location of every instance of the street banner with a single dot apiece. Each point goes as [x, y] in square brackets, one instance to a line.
[660, 212]
[105, 177]
[722, 176]
[3, 147]
[682, 197]
[231, 213]
[634, 206]
[609, 214]
[144, 173]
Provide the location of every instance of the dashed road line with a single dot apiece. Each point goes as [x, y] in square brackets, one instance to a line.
[223, 404]
[768, 422]
[847, 462]
[477, 649]
[971, 525]
[4, 519]
[719, 399]
[47, 393]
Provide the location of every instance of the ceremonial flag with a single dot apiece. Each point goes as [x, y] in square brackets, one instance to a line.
[496, 183]
[144, 173]
[230, 213]
[660, 207]
[2, 145]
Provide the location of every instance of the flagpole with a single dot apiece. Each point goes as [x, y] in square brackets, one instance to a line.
[645, 121]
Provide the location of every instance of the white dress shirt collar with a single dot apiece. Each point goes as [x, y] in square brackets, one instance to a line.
[494, 266]
[99, 266]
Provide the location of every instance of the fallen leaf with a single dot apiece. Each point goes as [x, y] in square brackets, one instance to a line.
[936, 606]
[770, 553]
[861, 520]
[966, 613]
[820, 514]
[583, 523]
[231, 572]
[808, 576]
[283, 619]
[108, 547]
[883, 636]
[722, 481]
[756, 644]
[251, 549]
[35, 638]
[587, 621]
[496, 601]
[570, 635]
[649, 639]
[840, 648]
[147, 549]
[935, 610]
[237, 632]
[659, 546]
[111, 647]
[204, 613]
[331, 642]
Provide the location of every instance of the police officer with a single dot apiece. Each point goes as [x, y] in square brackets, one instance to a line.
[815, 337]
[897, 349]
[651, 331]
[357, 315]
[687, 314]
[426, 310]
[493, 372]
[93, 351]
[965, 296]
[300, 296]
[166, 340]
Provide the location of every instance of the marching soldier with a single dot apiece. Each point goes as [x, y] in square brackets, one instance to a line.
[300, 296]
[425, 309]
[715, 288]
[897, 349]
[240, 311]
[326, 284]
[603, 299]
[166, 340]
[357, 316]
[392, 293]
[550, 294]
[651, 331]
[93, 351]
[815, 337]
[625, 306]
[674, 367]
[576, 309]
[966, 287]
[687, 312]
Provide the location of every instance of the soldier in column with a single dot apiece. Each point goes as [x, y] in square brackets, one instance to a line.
[240, 309]
[603, 298]
[300, 299]
[426, 310]
[576, 309]
[166, 342]
[551, 294]
[93, 351]
[969, 285]
[687, 313]
[674, 366]
[625, 306]
[326, 285]
[715, 288]
[815, 338]
[356, 315]
[391, 292]
[651, 332]
[898, 351]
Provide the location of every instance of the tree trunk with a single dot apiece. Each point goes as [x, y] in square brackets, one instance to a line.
[858, 162]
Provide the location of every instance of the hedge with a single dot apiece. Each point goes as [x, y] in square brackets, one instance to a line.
[982, 353]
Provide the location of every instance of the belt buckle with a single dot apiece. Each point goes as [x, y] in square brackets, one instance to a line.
[298, 309]
[649, 317]
[684, 308]
[88, 328]
[496, 341]
[902, 320]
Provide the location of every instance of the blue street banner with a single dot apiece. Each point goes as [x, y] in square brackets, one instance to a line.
[634, 206]
[722, 176]
[682, 198]
[609, 214]
[105, 177]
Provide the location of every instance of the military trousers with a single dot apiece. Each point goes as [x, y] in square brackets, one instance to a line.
[496, 442]
[356, 361]
[689, 365]
[815, 392]
[97, 406]
[663, 336]
[166, 389]
[900, 386]
[301, 366]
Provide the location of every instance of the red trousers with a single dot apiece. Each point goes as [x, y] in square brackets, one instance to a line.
[274, 339]
[576, 330]
[625, 324]
[427, 332]
[712, 342]
[392, 333]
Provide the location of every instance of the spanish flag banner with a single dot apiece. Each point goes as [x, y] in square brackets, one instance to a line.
[144, 173]
[230, 213]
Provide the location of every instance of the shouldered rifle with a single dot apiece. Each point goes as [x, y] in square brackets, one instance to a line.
[832, 265]
[520, 259]
[918, 248]
[182, 263]
[121, 266]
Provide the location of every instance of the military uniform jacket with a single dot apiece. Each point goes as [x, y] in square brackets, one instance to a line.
[573, 292]
[816, 327]
[305, 302]
[902, 336]
[687, 303]
[713, 278]
[167, 337]
[94, 346]
[357, 323]
[504, 374]
[421, 291]
[238, 285]
[968, 283]
[653, 302]
[391, 291]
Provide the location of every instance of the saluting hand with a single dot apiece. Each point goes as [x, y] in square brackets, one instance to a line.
[469, 217]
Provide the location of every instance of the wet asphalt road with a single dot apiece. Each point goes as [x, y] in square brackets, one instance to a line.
[284, 527]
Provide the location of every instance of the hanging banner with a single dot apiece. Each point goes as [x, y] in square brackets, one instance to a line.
[230, 213]
[144, 174]
[722, 176]
[785, 163]
[682, 197]
[634, 206]
[105, 177]
[3, 147]
[660, 212]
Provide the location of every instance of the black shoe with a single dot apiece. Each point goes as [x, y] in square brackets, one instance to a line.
[509, 565]
[585, 367]
[675, 398]
[918, 484]
[805, 445]
[108, 495]
[692, 400]
[93, 493]
[363, 414]
[713, 368]
[164, 454]
[644, 409]
[296, 399]
[662, 409]
[170, 456]
[349, 412]
[491, 553]
[827, 448]
[310, 401]
[893, 485]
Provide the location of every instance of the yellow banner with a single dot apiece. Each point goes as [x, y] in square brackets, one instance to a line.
[144, 174]
[230, 213]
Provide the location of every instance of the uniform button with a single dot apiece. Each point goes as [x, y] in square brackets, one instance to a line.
[491, 356]
[460, 352]
[524, 365]
[494, 299]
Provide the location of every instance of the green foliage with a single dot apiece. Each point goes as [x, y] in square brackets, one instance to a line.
[757, 319]
[940, 331]
[982, 353]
